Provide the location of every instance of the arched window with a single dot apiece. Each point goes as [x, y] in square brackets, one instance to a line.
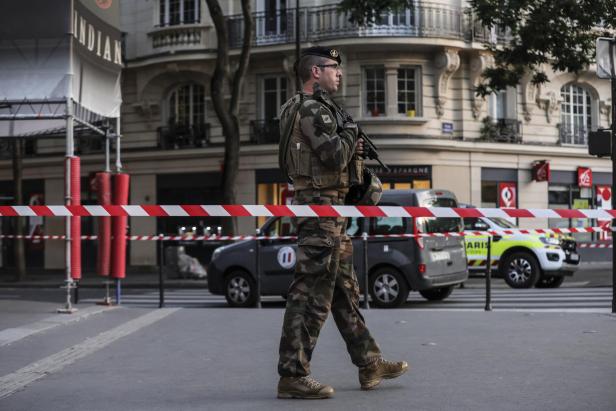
[575, 114]
[174, 12]
[187, 105]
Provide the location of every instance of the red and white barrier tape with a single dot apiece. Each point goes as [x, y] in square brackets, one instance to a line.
[594, 245]
[252, 237]
[293, 211]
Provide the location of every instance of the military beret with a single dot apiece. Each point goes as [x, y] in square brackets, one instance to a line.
[323, 52]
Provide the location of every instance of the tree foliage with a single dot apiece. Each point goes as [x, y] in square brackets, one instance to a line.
[558, 33]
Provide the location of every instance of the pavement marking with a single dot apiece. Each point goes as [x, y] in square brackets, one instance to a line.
[11, 335]
[11, 383]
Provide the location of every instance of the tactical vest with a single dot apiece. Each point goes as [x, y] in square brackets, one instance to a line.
[303, 168]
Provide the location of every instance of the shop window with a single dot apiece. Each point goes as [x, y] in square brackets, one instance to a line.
[374, 86]
[565, 196]
[272, 194]
[408, 91]
[489, 194]
[175, 12]
[275, 16]
[412, 184]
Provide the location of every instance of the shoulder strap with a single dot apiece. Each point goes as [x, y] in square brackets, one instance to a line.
[290, 110]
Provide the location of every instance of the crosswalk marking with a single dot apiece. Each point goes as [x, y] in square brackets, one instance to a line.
[562, 299]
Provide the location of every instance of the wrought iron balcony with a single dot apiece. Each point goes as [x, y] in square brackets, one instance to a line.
[179, 136]
[503, 130]
[265, 131]
[178, 36]
[569, 134]
[327, 22]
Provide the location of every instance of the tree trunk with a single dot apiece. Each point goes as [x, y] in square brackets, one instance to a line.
[228, 114]
[20, 251]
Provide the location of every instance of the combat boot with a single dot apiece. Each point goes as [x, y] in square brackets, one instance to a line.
[303, 388]
[371, 375]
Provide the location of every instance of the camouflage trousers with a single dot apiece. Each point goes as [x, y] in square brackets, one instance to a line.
[324, 281]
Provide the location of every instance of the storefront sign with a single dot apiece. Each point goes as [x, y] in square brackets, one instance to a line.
[541, 171]
[405, 171]
[507, 194]
[584, 177]
[604, 197]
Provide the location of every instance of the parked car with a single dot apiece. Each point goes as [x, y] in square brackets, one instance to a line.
[432, 265]
[523, 260]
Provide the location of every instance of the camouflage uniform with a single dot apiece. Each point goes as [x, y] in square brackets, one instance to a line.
[318, 156]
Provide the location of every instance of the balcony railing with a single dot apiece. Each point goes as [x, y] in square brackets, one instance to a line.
[265, 131]
[180, 136]
[570, 134]
[503, 130]
[327, 22]
[182, 35]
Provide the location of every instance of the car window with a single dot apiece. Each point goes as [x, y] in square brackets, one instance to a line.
[469, 223]
[503, 222]
[354, 226]
[387, 225]
[438, 225]
[282, 226]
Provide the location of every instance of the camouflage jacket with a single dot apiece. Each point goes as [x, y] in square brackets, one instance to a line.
[318, 151]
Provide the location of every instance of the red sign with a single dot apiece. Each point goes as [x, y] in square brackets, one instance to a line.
[507, 195]
[541, 171]
[584, 177]
[604, 197]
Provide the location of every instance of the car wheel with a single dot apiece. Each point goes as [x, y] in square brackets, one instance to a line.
[240, 289]
[550, 281]
[437, 294]
[520, 270]
[388, 288]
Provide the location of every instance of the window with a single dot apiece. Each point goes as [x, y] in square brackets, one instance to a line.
[187, 105]
[275, 16]
[273, 95]
[387, 225]
[408, 91]
[375, 91]
[576, 114]
[174, 12]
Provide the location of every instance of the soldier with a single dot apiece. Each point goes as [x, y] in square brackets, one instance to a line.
[317, 149]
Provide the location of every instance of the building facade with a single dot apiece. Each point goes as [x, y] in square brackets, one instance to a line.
[409, 80]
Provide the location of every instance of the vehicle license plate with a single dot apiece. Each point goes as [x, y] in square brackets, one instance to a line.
[440, 255]
[574, 257]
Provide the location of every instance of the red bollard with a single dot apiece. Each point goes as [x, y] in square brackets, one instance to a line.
[118, 244]
[75, 172]
[103, 190]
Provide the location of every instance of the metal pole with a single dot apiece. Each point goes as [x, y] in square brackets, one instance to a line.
[613, 82]
[364, 238]
[118, 163]
[118, 290]
[298, 81]
[488, 306]
[161, 263]
[258, 266]
[107, 151]
[70, 151]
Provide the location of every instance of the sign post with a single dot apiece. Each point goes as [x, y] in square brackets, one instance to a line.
[606, 68]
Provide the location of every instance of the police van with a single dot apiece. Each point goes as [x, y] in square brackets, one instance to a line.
[433, 266]
[523, 260]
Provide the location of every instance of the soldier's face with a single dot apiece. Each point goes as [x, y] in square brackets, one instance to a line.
[330, 76]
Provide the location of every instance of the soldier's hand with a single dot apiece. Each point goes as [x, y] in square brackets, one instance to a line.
[359, 147]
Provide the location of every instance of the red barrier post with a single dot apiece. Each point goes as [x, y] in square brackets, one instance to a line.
[103, 190]
[118, 244]
[75, 176]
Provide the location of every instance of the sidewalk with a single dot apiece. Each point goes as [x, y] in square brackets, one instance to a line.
[225, 359]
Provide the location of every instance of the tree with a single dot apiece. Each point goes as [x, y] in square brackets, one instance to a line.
[227, 111]
[560, 34]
